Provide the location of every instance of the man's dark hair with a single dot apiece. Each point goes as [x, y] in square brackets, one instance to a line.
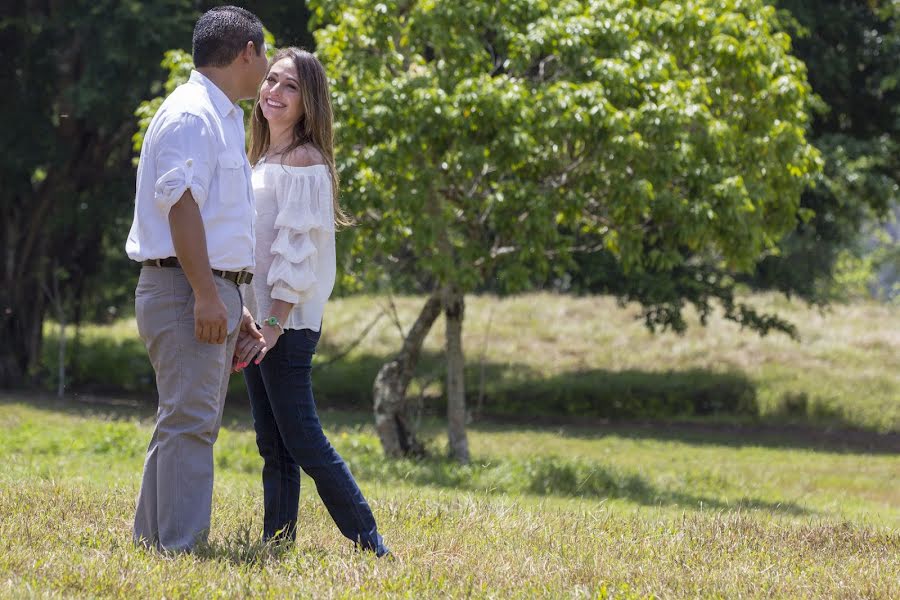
[222, 33]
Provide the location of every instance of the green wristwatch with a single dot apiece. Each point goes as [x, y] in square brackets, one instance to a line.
[273, 322]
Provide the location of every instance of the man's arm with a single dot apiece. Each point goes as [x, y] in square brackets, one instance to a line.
[189, 238]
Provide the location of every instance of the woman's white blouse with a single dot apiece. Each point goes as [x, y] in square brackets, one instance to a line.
[295, 253]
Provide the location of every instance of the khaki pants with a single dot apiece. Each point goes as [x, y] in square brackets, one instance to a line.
[175, 501]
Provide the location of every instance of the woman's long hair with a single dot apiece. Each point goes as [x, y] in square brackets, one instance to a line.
[315, 127]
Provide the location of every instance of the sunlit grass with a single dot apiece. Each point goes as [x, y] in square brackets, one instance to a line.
[587, 356]
[539, 512]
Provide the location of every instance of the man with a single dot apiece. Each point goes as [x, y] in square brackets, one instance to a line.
[193, 234]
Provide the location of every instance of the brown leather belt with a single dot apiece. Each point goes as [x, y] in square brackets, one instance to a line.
[237, 277]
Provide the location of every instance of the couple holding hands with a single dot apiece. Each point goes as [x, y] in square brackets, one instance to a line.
[209, 229]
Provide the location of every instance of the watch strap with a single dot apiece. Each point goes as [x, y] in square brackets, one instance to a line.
[274, 322]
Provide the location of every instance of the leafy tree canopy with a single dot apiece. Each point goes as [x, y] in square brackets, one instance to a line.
[477, 142]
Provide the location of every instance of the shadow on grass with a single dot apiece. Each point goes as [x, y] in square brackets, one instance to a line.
[112, 366]
[725, 402]
[545, 476]
[516, 393]
[693, 406]
[691, 403]
[539, 476]
[736, 434]
[244, 547]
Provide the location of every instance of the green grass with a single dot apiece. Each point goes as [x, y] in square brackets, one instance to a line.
[543, 354]
[551, 512]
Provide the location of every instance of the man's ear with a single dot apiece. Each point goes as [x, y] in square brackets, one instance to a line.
[249, 52]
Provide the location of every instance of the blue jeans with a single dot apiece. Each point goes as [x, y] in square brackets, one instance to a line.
[289, 436]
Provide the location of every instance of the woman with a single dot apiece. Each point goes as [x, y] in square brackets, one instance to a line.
[295, 184]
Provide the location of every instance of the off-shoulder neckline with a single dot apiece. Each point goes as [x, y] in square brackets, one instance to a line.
[293, 168]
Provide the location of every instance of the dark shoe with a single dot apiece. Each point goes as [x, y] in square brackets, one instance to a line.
[381, 551]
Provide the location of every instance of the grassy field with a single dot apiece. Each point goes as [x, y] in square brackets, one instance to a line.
[542, 354]
[614, 511]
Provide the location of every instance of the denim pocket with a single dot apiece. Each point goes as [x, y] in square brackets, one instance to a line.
[312, 336]
[296, 349]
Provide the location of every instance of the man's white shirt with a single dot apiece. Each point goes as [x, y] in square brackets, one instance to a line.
[195, 141]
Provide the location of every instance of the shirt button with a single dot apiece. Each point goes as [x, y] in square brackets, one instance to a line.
[189, 162]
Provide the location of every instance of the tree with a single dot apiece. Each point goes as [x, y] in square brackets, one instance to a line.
[478, 141]
[70, 87]
[288, 21]
[79, 70]
[852, 52]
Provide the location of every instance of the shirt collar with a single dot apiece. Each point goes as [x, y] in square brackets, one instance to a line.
[216, 95]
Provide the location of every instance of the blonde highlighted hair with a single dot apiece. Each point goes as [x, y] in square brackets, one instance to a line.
[315, 126]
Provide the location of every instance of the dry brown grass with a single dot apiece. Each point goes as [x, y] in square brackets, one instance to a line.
[707, 519]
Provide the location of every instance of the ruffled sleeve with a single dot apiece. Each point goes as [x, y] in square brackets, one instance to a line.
[304, 208]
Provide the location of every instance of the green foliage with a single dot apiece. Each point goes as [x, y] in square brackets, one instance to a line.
[663, 293]
[852, 52]
[289, 21]
[478, 141]
[110, 359]
[630, 395]
[546, 356]
[178, 64]
[78, 70]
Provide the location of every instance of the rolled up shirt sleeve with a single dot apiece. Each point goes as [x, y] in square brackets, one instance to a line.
[184, 161]
[304, 208]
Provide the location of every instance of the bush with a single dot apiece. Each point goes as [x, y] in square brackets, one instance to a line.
[103, 359]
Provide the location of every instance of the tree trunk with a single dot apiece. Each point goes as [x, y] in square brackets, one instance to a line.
[389, 390]
[56, 298]
[23, 305]
[454, 311]
[61, 358]
[78, 315]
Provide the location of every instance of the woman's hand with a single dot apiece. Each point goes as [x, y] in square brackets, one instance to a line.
[248, 346]
[249, 343]
[271, 335]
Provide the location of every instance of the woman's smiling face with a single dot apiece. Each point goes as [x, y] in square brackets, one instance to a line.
[279, 95]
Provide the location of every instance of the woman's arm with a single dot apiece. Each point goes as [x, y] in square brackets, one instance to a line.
[280, 310]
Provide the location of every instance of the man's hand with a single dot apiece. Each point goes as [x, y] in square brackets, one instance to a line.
[210, 319]
[248, 324]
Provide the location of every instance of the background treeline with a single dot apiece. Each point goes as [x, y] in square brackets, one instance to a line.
[76, 71]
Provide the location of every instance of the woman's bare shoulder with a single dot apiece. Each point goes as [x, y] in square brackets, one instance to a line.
[304, 156]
